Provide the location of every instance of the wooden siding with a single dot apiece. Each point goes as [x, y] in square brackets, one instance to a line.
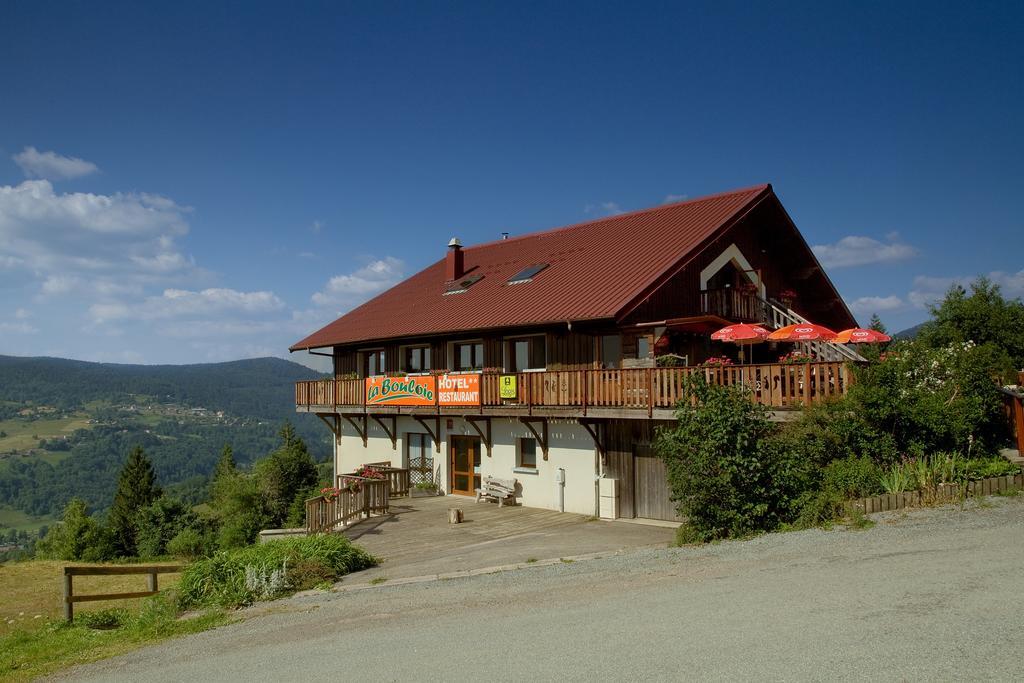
[652, 496]
[570, 351]
[773, 248]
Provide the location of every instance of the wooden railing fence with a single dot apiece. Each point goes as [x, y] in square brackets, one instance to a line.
[774, 385]
[152, 585]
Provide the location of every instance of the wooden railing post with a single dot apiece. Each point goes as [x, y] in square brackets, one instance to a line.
[69, 606]
[152, 583]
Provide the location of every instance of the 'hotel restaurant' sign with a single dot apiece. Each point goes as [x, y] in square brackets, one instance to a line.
[448, 390]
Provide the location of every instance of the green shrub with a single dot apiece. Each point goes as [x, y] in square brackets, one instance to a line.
[191, 544]
[268, 570]
[77, 537]
[105, 618]
[852, 478]
[728, 477]
[158, 523]
[983, 468]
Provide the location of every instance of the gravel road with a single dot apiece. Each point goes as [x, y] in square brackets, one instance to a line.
[934, 594]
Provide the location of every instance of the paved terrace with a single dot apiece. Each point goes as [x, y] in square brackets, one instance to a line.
[416, 538]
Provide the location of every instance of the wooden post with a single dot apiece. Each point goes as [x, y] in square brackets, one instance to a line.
[69, 607]
[152, 583]
[454, 515]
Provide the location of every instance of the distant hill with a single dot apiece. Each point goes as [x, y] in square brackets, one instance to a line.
[909, 333]
[66, 426]
[258, 387]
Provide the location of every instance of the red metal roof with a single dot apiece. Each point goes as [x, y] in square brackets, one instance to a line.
[596, 269]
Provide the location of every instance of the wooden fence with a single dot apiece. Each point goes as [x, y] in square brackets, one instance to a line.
[358, 498]
[945, 493]
[152, 586]
[398, 478]
[775, 385]
[1013, 403]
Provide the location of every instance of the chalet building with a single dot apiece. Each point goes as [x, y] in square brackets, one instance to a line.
[550, 358]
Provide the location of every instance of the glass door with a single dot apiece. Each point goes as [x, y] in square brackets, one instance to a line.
[465, 460]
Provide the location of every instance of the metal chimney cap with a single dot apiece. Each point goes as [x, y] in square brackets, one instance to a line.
[454, 243]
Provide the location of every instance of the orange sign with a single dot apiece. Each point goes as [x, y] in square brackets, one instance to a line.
[425, 390]
[458, 390]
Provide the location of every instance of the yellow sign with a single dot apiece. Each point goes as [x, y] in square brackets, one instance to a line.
[508, 386]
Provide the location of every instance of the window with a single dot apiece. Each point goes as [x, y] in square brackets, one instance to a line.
[526, 354]
[611, 350]
[420, 455]
[527, 453]
[374, 363]
[460, 286]
[469, 356]
[417, 359]
[643, 348]
[527, 273]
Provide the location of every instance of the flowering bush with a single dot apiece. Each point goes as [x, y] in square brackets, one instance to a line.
[717, 362]
[795, 357]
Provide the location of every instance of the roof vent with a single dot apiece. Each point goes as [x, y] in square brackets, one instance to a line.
[527, 273]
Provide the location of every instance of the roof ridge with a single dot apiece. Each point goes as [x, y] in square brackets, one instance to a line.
[637, 212]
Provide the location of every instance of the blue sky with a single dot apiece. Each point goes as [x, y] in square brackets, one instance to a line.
[209, 181]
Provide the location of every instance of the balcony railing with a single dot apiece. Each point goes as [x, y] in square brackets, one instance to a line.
[734, 305]
[641, 389]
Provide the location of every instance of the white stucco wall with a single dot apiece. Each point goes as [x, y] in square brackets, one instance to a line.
[570, 448]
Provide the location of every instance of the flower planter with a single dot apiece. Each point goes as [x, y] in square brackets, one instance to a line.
[423, 493]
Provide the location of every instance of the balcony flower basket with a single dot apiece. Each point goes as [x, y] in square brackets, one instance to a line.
[787, 297]
[717, 362]
[330, 493]
[796, 358]
[748, 288]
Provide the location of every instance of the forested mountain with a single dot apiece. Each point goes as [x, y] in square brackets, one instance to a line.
[66, 426]
[259, 387]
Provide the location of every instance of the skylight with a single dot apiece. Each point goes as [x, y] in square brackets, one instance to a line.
[527, 273]
[460, 286]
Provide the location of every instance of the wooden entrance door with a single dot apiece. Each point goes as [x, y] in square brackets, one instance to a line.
[465, 465]
[651, 496]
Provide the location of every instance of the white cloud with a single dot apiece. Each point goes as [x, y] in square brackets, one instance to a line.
[22, 314]
[928, 290]
[857, 250]
[876, 304]
[18, 328]
[604, 208]
[182, 303]
[1012, 284]
[354, 288]
[673, 198]
[36, 164]
[75, 234]
[316, 227]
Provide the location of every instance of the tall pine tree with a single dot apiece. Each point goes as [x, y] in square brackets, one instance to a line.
[224, 475]
[877, 324]
[136, 489]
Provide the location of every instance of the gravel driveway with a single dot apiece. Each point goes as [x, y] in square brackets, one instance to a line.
[932, 594]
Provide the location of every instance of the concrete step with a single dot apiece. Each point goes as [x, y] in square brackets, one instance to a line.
[1013, 455]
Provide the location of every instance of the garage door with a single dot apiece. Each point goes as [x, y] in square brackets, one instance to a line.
[651, 495]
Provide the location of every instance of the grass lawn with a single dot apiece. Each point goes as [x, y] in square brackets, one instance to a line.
[23, 434]
[22, 521]
[34, 639]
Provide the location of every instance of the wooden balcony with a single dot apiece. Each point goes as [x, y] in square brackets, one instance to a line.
[626, 393]
[733, 305]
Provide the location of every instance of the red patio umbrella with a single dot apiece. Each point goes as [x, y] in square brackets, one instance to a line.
[741, 334]
[802, 332]
[860, 335]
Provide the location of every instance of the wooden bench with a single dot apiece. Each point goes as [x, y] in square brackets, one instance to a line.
[497, 489]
